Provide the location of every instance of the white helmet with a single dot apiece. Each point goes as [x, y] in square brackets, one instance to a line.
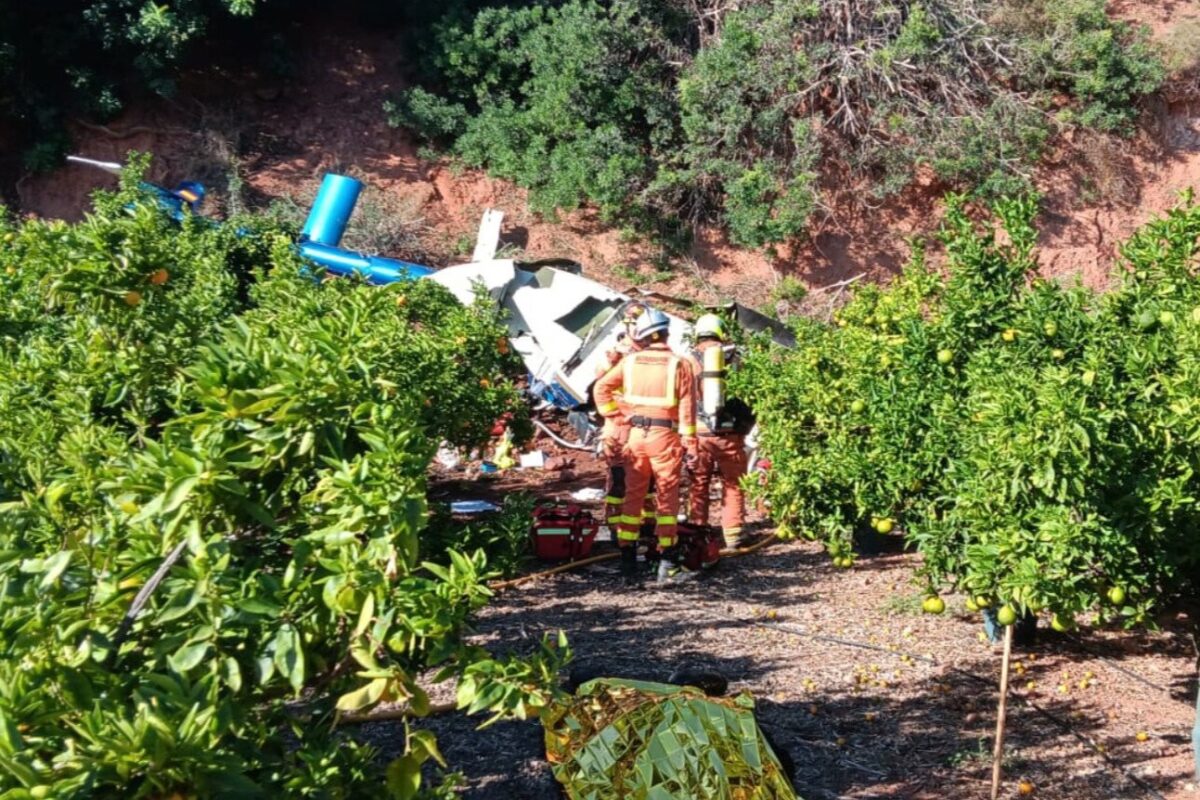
[710, 326]
[650, 323]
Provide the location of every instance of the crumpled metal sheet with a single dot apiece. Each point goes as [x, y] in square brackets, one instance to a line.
[634, 740]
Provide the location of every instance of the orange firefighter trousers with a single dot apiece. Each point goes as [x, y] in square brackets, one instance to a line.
[653, 454]
[614, 441]
[725, 455]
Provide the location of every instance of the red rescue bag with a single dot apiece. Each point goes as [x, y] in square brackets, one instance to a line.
[562, 531]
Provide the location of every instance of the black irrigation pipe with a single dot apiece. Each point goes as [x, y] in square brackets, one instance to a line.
[1065, 725]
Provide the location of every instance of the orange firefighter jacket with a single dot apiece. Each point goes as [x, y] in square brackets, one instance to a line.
[653, 383]
[616, 426]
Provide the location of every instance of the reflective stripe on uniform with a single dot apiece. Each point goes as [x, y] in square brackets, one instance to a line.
[687, 430]
[613, 500]
[666, 541]
[626, 535]
[667, 519]
[667, 401]
[608, 408]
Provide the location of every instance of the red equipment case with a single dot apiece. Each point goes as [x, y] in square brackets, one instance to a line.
[562, 531]
[700, 545]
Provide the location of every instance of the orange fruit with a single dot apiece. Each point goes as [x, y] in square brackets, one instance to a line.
[159, 277]
[1025, 788]
[132, 299]
[1142, 736]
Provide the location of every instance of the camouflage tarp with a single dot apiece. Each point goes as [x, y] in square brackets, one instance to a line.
[634, 740]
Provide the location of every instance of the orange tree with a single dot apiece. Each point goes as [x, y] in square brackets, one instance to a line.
[212, 483]
[1037, 443]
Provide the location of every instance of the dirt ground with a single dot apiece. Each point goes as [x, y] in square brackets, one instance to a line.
[869, 697]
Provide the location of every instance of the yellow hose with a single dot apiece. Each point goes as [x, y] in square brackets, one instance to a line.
[732, 553]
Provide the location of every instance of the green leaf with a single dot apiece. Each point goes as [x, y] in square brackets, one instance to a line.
[55, 565]
[10, 738]
[187, 657]
[419, 702]
[365, 616]
[289, 656]
[423, 745]
[181, 603]
[178, 494]
[231, 673]
[363, 696]
[404, 778]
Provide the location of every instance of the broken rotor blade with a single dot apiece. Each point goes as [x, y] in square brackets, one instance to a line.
[107, 166]
[488, 239]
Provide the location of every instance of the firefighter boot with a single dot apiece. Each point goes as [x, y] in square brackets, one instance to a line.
[666, 570]
[670, 566]
[629, 566]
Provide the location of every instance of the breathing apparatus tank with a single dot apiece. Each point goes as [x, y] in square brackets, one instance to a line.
[712, 381]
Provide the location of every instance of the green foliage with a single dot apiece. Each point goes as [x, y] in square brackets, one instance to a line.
[62, 57]
[213, 470]
[789, 289]
[434, 117]
[1038, 444]
[1074, 46]
[661, 119]
[743, 148]
[564, 100]
[503, 535]
[516, 687]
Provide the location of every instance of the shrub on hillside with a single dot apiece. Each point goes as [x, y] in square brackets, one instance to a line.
[657, 112]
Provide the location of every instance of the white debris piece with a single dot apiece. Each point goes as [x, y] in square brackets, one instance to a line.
[535, 459]
[472, 507]
[448, 457]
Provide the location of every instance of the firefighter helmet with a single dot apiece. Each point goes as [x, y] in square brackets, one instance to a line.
[650, 323]
[710, 326]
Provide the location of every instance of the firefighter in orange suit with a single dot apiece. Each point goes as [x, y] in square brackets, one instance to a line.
[659, 390]
[722, 449]
[614, 437]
